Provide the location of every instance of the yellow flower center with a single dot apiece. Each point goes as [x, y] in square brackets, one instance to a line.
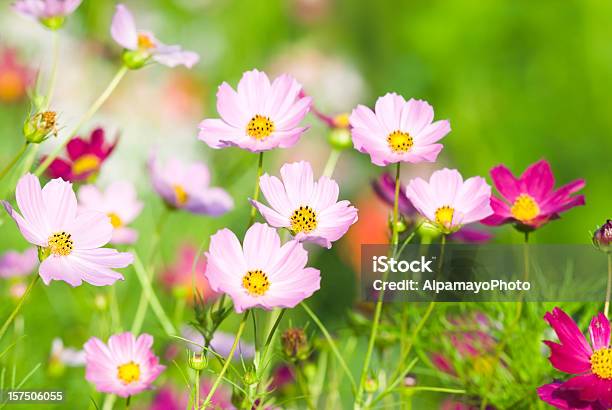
[400, 141]
[48, 119]
[115, 220]
[180, 195]
[260, 127]
[601, 363]
[256, 282]
[341, 120]
[128, 373]
[86, 163]
[525, 208]
[145, 42]
[444, 216]
[11, 86]
[303, 219]
[60, 244]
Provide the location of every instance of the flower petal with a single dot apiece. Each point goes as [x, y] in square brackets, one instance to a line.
[599, 329]
[123, 28]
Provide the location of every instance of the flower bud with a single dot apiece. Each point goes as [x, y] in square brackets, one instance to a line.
[40, 126]
[197, 361]
[53, 23]
[401, 224]
[340, 138]
[250, 378]
[295, 344]
[371, 385]
[602, 238]
[134, 59]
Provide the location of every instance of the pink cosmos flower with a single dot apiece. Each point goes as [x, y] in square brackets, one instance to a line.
[170, 398]
[310, 210]
[85, 157]
[119, 202]
[66, 356]
[124, 32]
[69, 239]
[186, 186]
[261, 272]
[45, 10]
[179, 275]
[591, 364]
[13, 263]
[530, 201]
[448, 202]
[125, 366]
[565, 399]
[259, 116]
[397, 130]
[15, 77]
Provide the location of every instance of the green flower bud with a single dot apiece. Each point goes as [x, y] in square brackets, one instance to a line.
[340, 138]
[53, 23]
[371, 385]
[40, 126]
[197, 361]
[135, 59]
[250, 378]
[295, 344]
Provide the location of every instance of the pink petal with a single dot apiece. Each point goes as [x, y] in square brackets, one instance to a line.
[176, 57]
[123, 28]
[29, 232]
[325, 193]
[217, 133]
[225, 259]
[294, 115]
[566, 359]
[272, 217]
[506, 184]
[433, 132]
[231, 107]
[273, 190]
[59, 268]
[569, 334]
[77, 147]
[415, 116]
[298, 181]
[260, 244]
[30, 201]
[284, 94]
[124, 236]
[61, 204]
[537, 180]
[599, 329]
[253, 88]
[212, 201]
[90, 229]
[388, 109]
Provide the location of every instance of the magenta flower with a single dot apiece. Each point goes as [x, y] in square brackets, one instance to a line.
[310, 210]
[69, 240]
[448, 202]
[141, 46]
[186, 186]
[13, 263]
[565, 399]
[592, 364]
[125, 366]
[530, 201]
[85, 157]
[170, 398]
[119, 202]
[259, 116]
[51, 13]
[261, 272]
[397, 130]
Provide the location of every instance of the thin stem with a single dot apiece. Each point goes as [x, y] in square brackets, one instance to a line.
[332, 344]
[53, 76]
[15, 159]
[274, 321]
[151, 297]
[301, 380]
[256, 191]
[127, 402]
[86, 117]
[227, 360]
[609, 288]
[197, 389]
[332, 161]
[381, 295]
[15, 311]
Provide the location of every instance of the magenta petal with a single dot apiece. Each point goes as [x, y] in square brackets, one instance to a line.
[505, 182]
[565, 399]
[569, 335]
[566, 359]
[537, 180]
[60, 169]
[599, 329]
[76, 148]
[591, 388]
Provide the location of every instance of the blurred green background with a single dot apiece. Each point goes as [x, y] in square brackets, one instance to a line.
[519, 81]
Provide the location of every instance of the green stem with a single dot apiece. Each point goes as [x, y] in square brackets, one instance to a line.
[53, 76]
[332, 344]
[332, 161]
[127, 402]
[381, 295]
[15, 159]
[263, 369]
[19, 305]
[227, 360]
[609, 287]
[86, 117]
[147, 291]
[197, 389]
[256, 191]
[301, 380]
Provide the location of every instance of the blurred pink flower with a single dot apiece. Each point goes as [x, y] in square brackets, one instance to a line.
[179, 275]
[124, 32]
[45, 10]
[13, 263]
[566, 399]
[592, 366]
[530, 201]
[186, 186]
[310, 210]
[15, 78]
[70, 240]
[259, 116]
[397, 131]
[85, 158]
[125, 367]
[67, 356]
[169, 398]
[221, 343]
[448, 202]
[261, 272]
[119, 202]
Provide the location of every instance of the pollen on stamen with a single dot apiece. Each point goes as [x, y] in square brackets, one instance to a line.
[444, 215]
[260, 127]
[525, 208]
[61, 244]
[399, 141]
[601, 363]
[303, 219]
[256, 282]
